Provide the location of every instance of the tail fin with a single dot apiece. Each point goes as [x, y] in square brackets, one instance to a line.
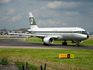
[32, 22]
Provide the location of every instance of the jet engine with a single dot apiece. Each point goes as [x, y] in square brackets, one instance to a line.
[48, 40]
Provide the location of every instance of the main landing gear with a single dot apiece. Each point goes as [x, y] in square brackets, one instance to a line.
[64, 43]
[45, 44]
[77, 44]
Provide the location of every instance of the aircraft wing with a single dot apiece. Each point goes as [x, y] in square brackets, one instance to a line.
[26, 34]
[41, 36]
[14, 33]
[33, 35]
[37, 35]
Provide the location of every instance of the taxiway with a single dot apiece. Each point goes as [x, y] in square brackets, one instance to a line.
[18, 42]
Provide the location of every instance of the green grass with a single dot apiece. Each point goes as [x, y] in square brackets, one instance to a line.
[88, 42]
[2, 36]
[4, 61]
[34, 40]
[32, 37]
[29, 66]
[83, 58]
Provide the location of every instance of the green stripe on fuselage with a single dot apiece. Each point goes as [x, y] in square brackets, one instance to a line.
[33, 32]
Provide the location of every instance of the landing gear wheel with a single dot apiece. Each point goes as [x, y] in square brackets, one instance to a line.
[77, 45]
[45, 44]
[64, 43]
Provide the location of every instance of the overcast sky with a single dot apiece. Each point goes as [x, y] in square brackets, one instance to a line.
[47, 13]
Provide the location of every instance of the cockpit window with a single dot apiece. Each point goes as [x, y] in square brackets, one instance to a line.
[82, 32]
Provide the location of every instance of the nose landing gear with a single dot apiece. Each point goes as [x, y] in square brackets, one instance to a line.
[64, 43]
[77, 43]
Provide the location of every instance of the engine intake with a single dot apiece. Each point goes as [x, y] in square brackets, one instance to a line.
[48, 40]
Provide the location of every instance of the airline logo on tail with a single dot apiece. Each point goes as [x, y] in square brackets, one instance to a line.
[31, 21]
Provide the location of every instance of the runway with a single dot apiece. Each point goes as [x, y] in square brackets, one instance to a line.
[18, 42]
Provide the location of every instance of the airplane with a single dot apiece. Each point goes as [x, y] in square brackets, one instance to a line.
[48, 35]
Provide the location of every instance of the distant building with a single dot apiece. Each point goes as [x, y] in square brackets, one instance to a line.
[21, 30]
[4, 32]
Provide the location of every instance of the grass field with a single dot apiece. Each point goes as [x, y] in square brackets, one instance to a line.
[2, 36]
[88, 42]
[83, 58]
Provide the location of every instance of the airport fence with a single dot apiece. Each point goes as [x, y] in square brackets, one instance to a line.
[40, 63]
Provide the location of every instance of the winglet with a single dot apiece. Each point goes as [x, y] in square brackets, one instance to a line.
[30, 14]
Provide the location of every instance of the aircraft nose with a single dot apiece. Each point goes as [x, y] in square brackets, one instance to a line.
[87, 36]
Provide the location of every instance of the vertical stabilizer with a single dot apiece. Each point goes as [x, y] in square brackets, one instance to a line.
[32, 21]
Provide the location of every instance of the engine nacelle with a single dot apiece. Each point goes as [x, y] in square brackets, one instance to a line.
[48, 40]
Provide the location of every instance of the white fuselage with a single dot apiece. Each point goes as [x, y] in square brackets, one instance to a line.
[70, 33]
[48, 35]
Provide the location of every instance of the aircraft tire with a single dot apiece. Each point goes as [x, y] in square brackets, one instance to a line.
[45, 44]
[64, 43]
[77, 45]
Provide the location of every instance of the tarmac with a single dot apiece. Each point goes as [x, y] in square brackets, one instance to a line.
[18, 42]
